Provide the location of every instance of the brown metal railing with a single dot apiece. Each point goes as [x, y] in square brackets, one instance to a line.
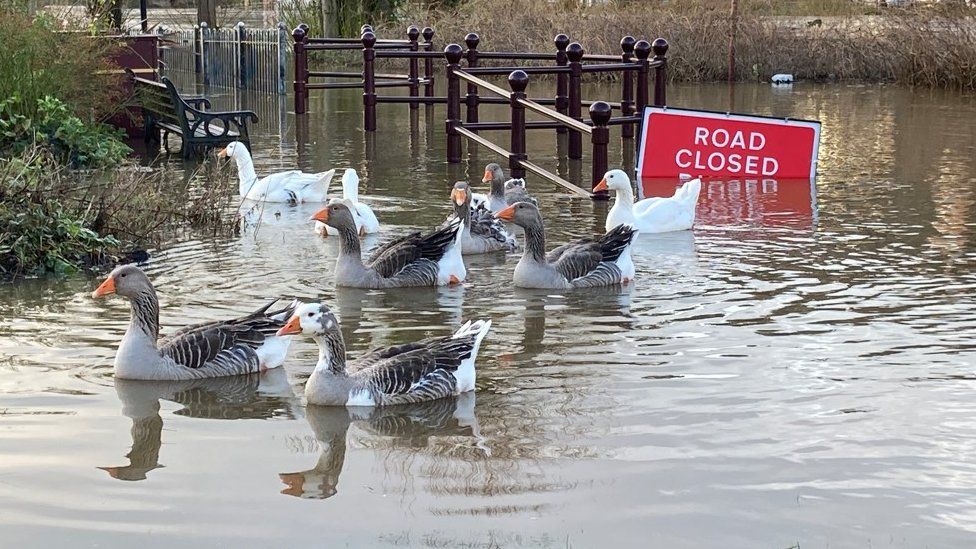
[411, 49]
[635, 64]
[570, 63]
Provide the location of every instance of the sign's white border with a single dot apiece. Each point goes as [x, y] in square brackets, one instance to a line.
[648, 111]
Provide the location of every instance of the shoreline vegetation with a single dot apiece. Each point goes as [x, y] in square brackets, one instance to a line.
[929, 46]
[70, 197]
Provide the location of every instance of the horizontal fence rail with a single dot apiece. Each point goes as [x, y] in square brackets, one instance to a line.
[410, 49]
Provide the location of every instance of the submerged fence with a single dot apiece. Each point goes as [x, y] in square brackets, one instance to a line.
[235, 57]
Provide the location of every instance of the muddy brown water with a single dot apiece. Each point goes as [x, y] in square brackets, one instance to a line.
[802, 378]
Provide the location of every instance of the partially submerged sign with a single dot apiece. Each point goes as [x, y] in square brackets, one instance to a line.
[705, 143]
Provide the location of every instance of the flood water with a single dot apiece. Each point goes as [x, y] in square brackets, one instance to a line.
[800, 378]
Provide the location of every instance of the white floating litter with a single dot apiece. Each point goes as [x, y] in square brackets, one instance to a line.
[782, 78]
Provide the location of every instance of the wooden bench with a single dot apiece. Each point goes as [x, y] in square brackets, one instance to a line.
[165, 110]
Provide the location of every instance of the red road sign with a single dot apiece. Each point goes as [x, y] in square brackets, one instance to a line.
[705, 143]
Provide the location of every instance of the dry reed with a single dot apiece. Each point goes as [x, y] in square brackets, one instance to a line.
[915, 47]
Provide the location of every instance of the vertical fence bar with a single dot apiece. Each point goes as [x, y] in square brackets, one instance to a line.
[453, 54]
[301, 70]
[204, 52]
[197, 59]
[575, 104]
[413, 33]
[240, 46]
[518, 81]
[471, 41]
[660, 48]
[600, 113]
[282, 57]
[642, 49]
[562, 79]
[428, 34]
[369, 82]
[627, 81]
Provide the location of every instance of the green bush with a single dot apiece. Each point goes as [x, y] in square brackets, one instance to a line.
[72, 140]
[39, 233]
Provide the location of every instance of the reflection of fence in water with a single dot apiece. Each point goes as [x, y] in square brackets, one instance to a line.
[235, 57]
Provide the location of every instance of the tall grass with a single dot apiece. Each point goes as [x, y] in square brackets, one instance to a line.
[38, 60]
[915, 47]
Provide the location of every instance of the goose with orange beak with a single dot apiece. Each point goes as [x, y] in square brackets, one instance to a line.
[429, 369]
[366, 221]
[651, 215]
[238, 346]
[502, 193]
[583, 263]
[483, 233]
[432, 259]
[292, 186]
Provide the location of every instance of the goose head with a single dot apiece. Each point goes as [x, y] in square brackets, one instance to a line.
[614, 179]
[493, 171]
[350, 185]
[338, 215]
[314, 319]
[523, 214]
[461, 195]
[494, 174]
[235, 150]
[125, 280]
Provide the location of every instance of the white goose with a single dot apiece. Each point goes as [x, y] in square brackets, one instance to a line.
[651, 215]
[292, 186]
[366, 222]
[429, 369]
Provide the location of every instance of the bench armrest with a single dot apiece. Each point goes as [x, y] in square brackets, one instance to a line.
[199, 103]
[228, 120]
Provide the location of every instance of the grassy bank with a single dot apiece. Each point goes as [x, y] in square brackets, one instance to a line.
[914, 47]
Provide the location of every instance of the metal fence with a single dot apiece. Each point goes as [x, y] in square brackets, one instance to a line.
[235, 57]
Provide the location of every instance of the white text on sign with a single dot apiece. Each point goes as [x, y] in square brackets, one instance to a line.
[748, 162]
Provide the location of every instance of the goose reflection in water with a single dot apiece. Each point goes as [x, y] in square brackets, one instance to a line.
[255, 396]
[404, 426]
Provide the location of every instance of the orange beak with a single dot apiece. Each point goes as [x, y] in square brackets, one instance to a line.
[294, 326]
[487, 177]
[507, 214]
[459, 196]
[601, 186]
[222, 153]
[321, 215]
[106, 288]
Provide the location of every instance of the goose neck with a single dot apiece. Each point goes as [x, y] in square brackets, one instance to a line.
[332, 354]
[497, 188]
[625, 195]
[350, 188]
[145, 314]
[535, 241]
[349, 244]
[246, 175]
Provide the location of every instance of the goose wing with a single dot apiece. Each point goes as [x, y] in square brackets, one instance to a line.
[485, 225]
[394, 256]
[576, 258]
[229, 344]
[424, 372]
[582, 257]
